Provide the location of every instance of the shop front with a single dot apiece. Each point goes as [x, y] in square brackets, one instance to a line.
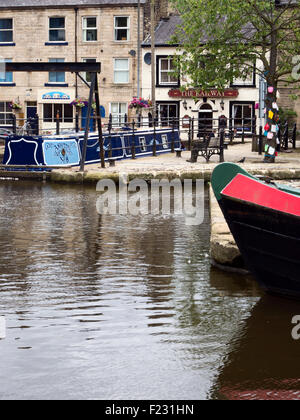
[55, 104]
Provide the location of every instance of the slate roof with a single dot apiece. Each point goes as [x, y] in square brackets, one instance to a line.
[9, 4]
[164, 31]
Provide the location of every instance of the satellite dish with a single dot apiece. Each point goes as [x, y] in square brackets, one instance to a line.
[148, 58]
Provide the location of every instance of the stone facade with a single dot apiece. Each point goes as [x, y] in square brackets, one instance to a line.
[31, 43]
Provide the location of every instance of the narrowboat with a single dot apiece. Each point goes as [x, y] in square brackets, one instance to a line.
[66, 149]
[264, 219]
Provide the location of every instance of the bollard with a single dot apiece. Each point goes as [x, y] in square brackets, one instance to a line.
[57, 124]
[286, 136]
[294, 137]
[260, 141]
[222, 137]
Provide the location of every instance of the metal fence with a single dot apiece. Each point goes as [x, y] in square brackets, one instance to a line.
[191, 128]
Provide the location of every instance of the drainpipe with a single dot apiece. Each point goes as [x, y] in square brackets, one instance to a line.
[76, 49]
[139, 50]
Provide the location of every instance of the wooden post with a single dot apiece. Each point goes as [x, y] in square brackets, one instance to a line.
[99, 122]
[87, 123]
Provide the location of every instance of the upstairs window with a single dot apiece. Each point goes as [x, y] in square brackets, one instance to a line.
[87, 76]
[121, 70]
[165, 67]
[6, 30]
[5, 76]
[57, 32]
[57, 77]
[122, 28]
[89, 28]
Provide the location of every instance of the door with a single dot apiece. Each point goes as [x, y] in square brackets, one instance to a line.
[31, 112]
[205, 120]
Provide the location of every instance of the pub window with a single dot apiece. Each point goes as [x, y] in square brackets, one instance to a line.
[122, 28]
[5, 113]
[57, 77]
[121, 70]
[5, 76]
[243, 117]
[50, 112]
[6, 30]
[89, 28]
[168, 114]
[166, 67]
[57, 32]
[247, 77]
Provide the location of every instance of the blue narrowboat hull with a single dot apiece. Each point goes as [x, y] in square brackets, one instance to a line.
[67, 150]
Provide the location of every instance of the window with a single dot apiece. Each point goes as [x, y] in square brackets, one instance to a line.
[87, 76]
[143, 144]
[51, 111]
[57, 32]
[89, 29]
[164, 139]
[243, 116]
[118, 112]
[121, 28]
[5, 76]
[5, 114]
[168, 113]
[247, 77]
[6, 30]
[165, 67]
[121, 70]
[57, 77]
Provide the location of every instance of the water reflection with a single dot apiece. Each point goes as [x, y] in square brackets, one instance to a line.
[263, 360]
[111, 307]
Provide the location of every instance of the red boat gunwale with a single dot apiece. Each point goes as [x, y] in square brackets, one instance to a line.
[255, 192]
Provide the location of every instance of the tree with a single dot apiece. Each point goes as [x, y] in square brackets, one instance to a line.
[225, 39]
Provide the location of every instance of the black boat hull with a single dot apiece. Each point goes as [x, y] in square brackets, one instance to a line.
[269, 243]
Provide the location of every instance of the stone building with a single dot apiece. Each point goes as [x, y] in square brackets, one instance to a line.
[70, 31]
[236, 104]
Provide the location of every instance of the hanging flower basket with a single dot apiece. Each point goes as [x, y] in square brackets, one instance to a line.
[15, 106]
[139, 104]
[79, 103]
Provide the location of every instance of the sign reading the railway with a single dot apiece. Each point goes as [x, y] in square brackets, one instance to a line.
[213, 93]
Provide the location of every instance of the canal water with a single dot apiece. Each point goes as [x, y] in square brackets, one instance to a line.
[124, 307]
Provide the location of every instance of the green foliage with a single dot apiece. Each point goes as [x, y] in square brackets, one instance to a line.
[223, 39]
[287, 115]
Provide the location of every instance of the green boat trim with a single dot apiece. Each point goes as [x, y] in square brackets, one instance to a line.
[226, 172]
